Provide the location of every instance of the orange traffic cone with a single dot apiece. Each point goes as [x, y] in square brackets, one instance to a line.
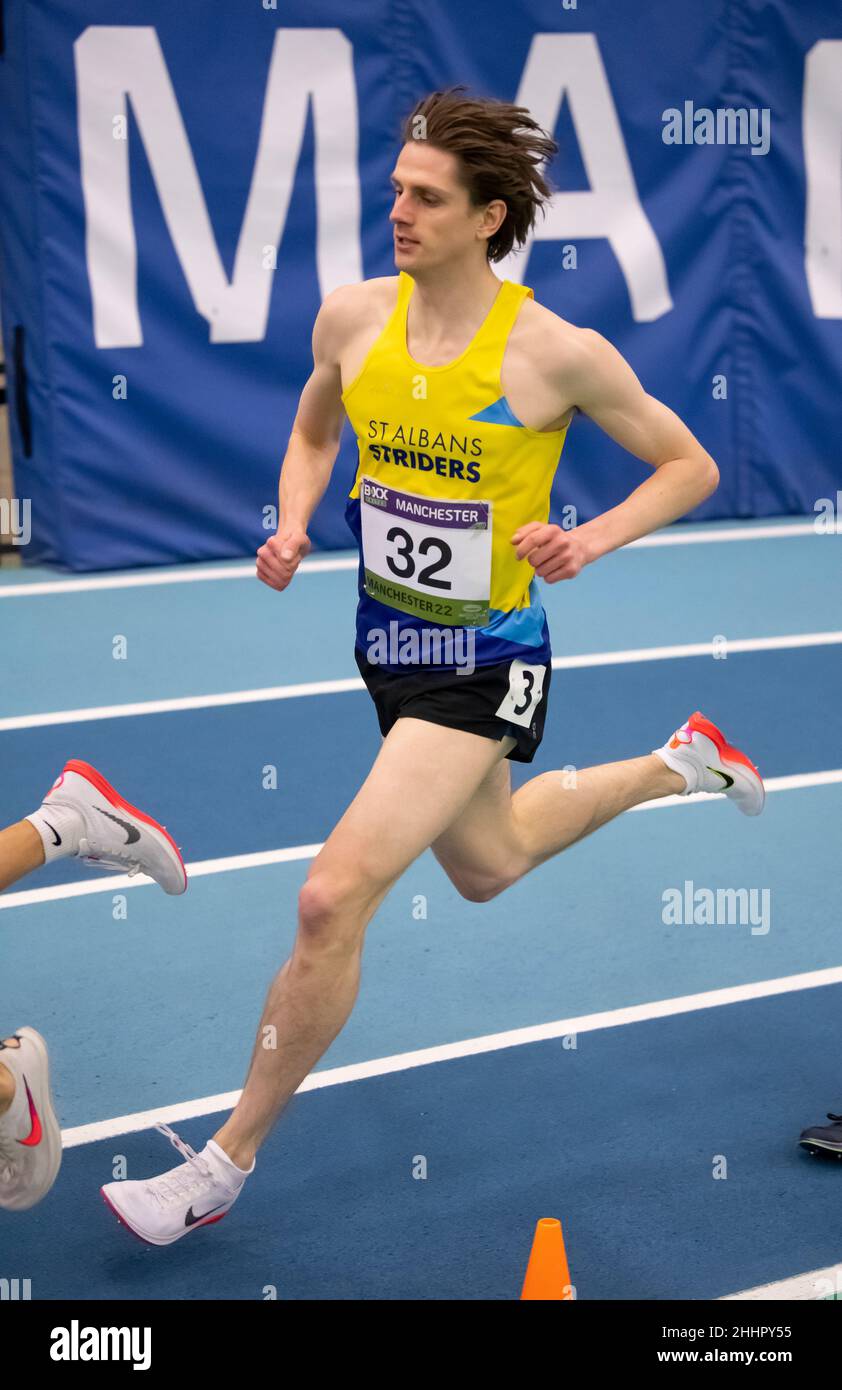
[547, 1274]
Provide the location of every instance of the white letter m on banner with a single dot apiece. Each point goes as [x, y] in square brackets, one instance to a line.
[113, 64]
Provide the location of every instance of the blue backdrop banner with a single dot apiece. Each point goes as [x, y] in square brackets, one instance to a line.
[182, 189]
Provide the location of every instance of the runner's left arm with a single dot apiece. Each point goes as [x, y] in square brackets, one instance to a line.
[609, 393]
[596, 378]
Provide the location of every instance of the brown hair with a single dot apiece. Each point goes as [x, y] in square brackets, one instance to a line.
[499, 148]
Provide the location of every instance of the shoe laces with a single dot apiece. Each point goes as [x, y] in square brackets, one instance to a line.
[189, 1180]
[837, 1119]
[123, 861]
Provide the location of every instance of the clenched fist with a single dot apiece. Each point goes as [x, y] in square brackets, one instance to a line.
[280, 557]
[552, 552]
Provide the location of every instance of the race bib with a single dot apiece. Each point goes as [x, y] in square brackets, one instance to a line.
[526, 686]
[425, 555]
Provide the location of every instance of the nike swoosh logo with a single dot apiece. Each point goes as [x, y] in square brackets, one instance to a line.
[35, 1133]
[190, 1219]
[132, 833]
[729, 781]
[57, 840]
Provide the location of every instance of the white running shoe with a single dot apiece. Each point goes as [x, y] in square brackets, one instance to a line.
[116, 835]
[708, 763]
[196, 1193]
[30, 1137]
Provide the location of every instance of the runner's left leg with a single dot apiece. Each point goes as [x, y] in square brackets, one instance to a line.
[499, 837]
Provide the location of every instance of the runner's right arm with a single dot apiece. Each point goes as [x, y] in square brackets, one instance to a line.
[313, 445]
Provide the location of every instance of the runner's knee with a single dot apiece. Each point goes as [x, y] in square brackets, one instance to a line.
[479, 887]
[333, 910]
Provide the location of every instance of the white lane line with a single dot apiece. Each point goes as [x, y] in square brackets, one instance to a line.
[118, 883]
[190, 574]
[470, 1047]
[183, 702]
[630, 656]
[199, 573]
[737, 533]
[709, 648]
[819, 1283]
[114, 883]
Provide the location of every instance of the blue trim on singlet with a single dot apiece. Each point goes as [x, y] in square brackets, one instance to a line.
[500, 413]
[522, 634]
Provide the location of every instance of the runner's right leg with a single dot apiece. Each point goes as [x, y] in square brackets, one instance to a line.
[423, 777]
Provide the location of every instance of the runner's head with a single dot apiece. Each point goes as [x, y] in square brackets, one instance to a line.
[467, 181]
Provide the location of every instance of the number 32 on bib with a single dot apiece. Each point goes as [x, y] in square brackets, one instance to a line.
[526, 686]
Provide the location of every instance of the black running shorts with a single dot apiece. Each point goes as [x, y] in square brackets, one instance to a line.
[491, 701]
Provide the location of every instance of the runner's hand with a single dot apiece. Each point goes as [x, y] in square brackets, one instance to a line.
[552, 552]
[280, 557]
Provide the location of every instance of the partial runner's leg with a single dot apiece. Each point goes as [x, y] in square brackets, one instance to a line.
[552, 814]
[83, 816]
[499, 837]
[30, 1137]
[7, 1081]
[21, 851]
[423, 778]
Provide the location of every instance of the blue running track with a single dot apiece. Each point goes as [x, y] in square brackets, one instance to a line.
[619, 1135]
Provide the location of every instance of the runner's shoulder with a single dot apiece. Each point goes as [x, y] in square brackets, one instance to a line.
[553, 342]
[349, 308]
[549, 329]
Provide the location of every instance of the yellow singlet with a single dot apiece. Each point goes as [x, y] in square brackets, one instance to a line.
[446, 475]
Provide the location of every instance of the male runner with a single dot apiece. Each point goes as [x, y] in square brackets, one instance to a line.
[460, 390]
[82, 815]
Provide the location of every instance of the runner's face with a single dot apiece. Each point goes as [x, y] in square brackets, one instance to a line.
[432, 218]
